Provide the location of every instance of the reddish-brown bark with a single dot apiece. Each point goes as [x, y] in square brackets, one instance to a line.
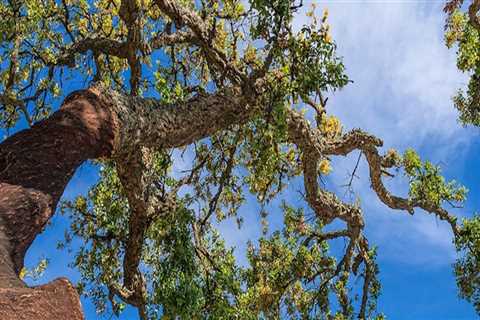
[55, 300]
[35, 167]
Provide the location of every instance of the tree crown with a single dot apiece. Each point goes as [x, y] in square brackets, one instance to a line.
[149, 234]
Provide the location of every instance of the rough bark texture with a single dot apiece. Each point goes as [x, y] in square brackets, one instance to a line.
[35, 166]
[149, 123]
[55, 300]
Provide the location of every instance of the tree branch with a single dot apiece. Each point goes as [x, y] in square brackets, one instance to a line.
[314, 146]
[96, 45]
[186, 17]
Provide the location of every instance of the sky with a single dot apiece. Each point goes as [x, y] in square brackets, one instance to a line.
[403, 80]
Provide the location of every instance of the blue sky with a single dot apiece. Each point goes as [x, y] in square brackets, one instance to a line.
[404, 77]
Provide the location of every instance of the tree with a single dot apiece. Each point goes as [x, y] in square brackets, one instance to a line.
[228, 81]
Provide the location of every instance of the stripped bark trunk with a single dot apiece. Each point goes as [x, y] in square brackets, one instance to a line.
[36, 165]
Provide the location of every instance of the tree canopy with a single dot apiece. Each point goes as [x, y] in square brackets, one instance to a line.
[231, 82]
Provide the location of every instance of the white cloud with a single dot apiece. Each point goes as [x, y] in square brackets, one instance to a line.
[403, 74]
[404, 78]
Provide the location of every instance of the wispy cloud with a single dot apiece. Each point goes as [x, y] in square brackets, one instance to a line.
[403, 74]
[404, 78]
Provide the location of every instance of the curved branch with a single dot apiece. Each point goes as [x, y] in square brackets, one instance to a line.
[314, 146]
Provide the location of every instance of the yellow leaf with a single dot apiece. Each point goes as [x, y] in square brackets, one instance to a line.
[324, 167]
[23, 273]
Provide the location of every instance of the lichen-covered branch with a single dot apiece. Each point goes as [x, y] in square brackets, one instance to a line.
[186, 17]
[311, 142]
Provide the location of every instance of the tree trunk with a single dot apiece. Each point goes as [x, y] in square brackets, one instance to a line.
[55, 300]
[35, 166]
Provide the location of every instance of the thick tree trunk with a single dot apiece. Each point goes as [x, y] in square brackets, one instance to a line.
[36, 165]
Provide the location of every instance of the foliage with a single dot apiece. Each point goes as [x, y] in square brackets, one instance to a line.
[426, 183]
[467, 265]
[193, 275]
[463, 30]
[465, 36]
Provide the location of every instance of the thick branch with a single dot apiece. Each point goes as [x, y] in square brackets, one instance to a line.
[165, 39]
[325, 204]
[36, 164]
[152, 124]
[96, 45]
